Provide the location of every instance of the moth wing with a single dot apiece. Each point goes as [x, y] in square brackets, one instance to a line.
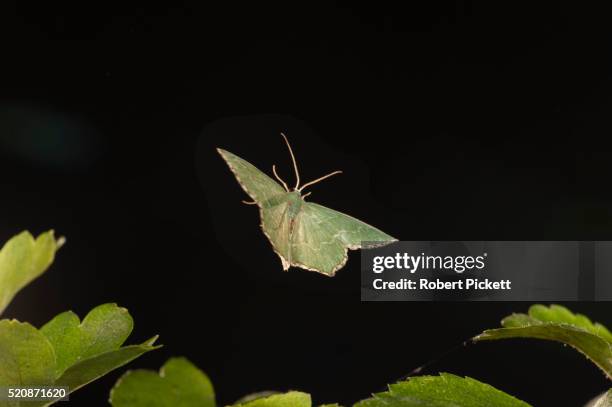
[255, 183]
[322, 237]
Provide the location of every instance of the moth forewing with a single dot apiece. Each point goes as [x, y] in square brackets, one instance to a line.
[255, 183]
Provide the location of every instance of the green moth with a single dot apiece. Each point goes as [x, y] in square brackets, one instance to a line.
[303, 234]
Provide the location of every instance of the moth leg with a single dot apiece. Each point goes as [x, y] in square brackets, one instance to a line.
[249, 202]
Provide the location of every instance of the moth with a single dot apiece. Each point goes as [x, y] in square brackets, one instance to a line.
[303, 234]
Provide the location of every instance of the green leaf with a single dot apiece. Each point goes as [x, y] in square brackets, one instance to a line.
[557, 323]
[289, 399]
[605, 400]
[105, 328]
[88, 370]
[66, 352]
[63, 332]
[446, 390]
[26, 357]
[265, 394]
[255, 396]
[22, 259]
[178, 384]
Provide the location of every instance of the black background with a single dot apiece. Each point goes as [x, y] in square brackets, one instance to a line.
[466, 121]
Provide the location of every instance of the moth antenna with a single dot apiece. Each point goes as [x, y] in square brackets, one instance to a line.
[305, 195]
[297, 174]
[249, 202]
[319, 179]
[279, 178]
